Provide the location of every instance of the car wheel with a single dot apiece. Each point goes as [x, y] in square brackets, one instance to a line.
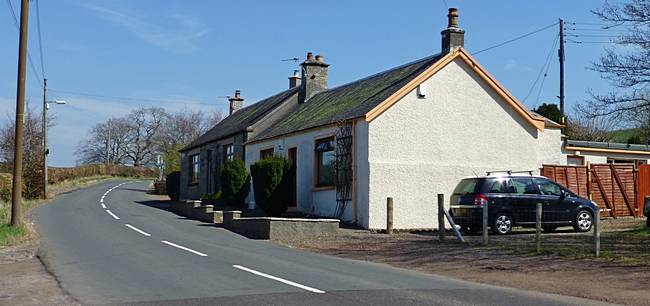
[502, 224]
[584, 221]
[549, 229]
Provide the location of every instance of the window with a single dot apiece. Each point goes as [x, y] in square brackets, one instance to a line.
[502, 186]
[574, 160]
[195, 168]
[523, 186]
[266, 153]
[228, 152]
[466, 186]
[548, 188]
[325, 157]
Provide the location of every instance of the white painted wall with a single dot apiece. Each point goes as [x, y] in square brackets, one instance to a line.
[323, 202]
[421, 147]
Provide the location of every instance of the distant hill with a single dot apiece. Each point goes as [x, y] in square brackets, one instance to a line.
[623, 135]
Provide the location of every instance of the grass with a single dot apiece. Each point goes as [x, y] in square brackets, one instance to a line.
[10, 236]
[623, 135]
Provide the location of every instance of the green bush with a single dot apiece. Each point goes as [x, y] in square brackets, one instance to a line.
[173, 182]
[235, 183]
[5, 188]
[272, 184]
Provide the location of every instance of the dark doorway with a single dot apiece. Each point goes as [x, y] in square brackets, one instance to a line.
[293, 156]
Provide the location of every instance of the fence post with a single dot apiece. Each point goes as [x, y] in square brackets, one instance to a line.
[389, 216]
[441, 216]
[538, 229]
[485, 223]
[597, 232]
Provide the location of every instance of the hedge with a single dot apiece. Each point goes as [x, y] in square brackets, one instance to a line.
[272, 184]
[173, 185]
[235, 182]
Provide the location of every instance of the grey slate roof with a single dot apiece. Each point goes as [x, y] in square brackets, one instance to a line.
[240, 120]
[348, 101]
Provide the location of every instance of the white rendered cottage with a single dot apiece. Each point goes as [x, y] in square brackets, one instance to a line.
[415, 131]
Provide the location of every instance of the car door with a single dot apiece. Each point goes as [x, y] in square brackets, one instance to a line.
[551, 197]
[524, 199]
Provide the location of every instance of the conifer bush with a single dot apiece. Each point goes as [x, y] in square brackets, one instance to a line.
[235, 182]
[272, 184]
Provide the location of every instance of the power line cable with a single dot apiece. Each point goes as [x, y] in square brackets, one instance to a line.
[40, 40]
[29, 56]
[516, 38]
[544, 66]
[128, 98]
[541, 86]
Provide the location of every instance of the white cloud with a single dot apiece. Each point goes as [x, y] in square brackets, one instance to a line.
[181, 35]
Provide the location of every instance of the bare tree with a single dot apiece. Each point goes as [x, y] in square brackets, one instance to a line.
[584, 127]
[32, 151]
[145, 124]
[626, 66]
[106, 143]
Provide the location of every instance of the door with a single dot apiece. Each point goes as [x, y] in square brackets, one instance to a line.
[555, 207]
[292, 156]
[209, 178]
[642, 186]
[524, 200]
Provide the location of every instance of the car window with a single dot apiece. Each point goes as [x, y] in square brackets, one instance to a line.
[467, 186]
[548, 187]
[524, 186]
[501, 186]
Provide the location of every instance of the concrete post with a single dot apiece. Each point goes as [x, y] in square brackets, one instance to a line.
[389, 216]
[441, 216]
[596, 227]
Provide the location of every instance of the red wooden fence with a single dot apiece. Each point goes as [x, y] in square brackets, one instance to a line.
[612, 186]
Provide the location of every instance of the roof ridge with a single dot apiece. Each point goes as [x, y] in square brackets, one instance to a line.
[385, 71]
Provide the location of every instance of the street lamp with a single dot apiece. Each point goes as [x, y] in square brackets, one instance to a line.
[46, 151]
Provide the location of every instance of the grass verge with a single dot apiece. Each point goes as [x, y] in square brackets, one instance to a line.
[10, 236]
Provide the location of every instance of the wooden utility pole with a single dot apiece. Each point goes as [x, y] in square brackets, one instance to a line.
[45, 152]
[16, 193]
[561, 57]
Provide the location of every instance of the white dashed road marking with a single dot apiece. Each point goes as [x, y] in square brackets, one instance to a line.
[275, 278]
[112, 214]
[184, 248]
[137, 230]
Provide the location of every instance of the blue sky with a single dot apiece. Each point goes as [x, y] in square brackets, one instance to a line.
[191, 53]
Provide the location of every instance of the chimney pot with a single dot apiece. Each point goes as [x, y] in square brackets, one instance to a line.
[453, 17]
[310, 56]
[319, 58]
[453, 37]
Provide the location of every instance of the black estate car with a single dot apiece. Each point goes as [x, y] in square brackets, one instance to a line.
[512, 201]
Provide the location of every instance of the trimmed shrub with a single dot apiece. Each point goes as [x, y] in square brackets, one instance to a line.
[235, 183]
[173, 185]
[272, 184]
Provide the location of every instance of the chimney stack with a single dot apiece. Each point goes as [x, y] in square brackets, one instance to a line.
[314, 77]
[295, 79]
[453, 37]
[236, 102]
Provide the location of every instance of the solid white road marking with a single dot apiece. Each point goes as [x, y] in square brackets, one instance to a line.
[103, 206]
[137, 230]
[184, 248]
[112, 214]
[314, 290]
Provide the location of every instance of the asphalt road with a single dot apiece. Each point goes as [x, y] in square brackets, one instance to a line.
[112, 243]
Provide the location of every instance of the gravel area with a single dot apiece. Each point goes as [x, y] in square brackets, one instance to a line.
[566, 266]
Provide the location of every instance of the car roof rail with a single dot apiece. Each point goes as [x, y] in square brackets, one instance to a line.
[509, 172]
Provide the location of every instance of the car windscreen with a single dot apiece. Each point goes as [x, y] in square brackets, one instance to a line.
[466, 186]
